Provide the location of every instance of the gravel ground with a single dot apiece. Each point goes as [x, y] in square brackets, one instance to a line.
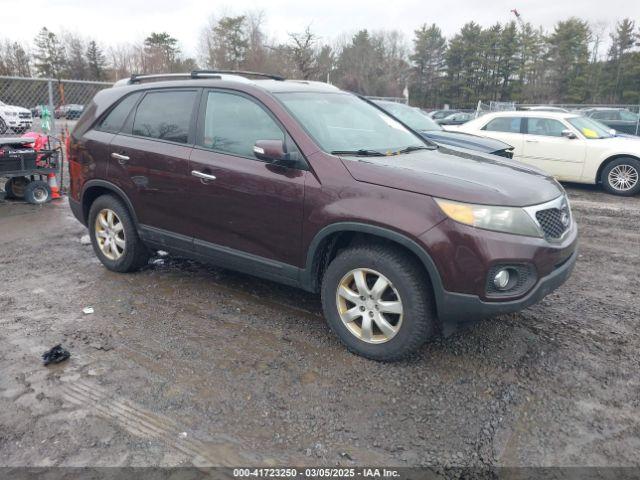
[185, 364]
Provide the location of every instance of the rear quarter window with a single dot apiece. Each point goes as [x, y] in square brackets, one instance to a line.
[116, 117]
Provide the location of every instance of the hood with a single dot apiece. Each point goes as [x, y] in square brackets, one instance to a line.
[458, 175]
[621, 143]
[12, 108]
[465, 140]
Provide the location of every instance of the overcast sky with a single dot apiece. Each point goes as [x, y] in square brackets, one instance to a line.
[117, 21]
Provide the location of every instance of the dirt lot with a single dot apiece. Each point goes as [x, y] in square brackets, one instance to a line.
[187, 364]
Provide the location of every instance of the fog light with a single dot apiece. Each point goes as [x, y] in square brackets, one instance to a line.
[501, 280]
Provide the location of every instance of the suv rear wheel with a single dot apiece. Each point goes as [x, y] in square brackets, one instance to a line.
[622, 177]
[378, 302]
[114, 237]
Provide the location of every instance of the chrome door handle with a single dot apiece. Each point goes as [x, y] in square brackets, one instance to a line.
[202, 176]
[122, 159]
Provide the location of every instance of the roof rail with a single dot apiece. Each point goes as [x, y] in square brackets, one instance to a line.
[137, 78]
[197, 73]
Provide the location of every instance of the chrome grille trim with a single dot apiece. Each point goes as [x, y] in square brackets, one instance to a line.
[561, 203]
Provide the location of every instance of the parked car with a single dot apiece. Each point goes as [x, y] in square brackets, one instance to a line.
[14, 118]
[439, 114]
[455, 118]
[429, 129]
[73, 111]
[70, 111]
[620, 119]
[302, 183]
[570, 147]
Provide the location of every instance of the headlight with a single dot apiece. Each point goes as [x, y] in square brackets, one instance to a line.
[11, 114]
[501, 219]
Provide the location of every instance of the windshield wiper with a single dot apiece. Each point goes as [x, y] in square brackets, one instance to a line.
[413, 148]
[361, 153]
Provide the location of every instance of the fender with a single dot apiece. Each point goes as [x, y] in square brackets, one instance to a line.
[109, 186]
[308, 281]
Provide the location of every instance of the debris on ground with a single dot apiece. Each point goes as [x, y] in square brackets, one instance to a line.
[157, 261]
[87, 310]
[85, 240]
[162, 253]
[55, 355]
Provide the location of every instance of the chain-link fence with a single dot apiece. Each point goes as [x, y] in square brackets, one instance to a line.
[38, 104]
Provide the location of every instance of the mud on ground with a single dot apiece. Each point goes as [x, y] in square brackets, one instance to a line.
[185, 364]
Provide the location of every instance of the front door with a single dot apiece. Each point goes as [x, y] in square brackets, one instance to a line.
[247, 209]
[546, 148]
[150, 162]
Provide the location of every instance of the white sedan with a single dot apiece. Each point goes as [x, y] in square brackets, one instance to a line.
[568, 146]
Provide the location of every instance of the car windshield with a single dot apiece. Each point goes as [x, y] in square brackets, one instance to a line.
[341, 122]
[410, 116]
[590, 128]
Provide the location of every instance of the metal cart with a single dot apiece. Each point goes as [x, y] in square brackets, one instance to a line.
[28, 169]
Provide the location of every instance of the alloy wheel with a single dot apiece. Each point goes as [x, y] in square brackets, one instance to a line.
[369, 305]
[623, 177]
[109, 232]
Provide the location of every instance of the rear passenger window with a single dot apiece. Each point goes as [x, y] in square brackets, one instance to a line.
[115, 119]
[504, 124]
[233, 123]
[165, 115]
[545, 126]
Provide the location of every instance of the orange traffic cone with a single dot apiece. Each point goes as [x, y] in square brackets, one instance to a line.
[53, 184]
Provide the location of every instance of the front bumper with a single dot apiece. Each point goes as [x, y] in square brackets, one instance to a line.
[459, 309]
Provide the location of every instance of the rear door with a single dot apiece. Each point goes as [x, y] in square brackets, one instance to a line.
[507, 129]
[546, 148]
[150, 162]
[252, 210]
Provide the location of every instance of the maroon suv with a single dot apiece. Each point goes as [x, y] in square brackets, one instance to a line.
[304, 184]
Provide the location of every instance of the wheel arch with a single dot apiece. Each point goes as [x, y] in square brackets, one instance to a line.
[330, 239]
[610, 159]
[95, 188]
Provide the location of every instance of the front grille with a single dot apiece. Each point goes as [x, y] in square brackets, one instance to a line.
[24, 115]
[554, 221]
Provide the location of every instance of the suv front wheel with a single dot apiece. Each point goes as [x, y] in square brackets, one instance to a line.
[114, 237]
[378, 301]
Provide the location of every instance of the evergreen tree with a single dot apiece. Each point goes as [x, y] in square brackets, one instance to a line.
[49, 55]
[429, 46]
[568, 60]
[96, 63]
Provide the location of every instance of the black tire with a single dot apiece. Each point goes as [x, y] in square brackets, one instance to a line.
[3, 126]
[16, 186]
[8, 189]
[627, 164]
[37, 192]
[419, 322]
[135, 254]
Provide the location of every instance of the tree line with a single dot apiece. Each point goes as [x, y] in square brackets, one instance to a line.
[512, 61]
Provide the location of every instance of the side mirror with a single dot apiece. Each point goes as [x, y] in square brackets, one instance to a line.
[569, 134]
[272, 151]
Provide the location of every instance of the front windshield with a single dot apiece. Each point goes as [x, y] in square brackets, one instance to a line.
[341, 122]
[410, 116]
[590, 128]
